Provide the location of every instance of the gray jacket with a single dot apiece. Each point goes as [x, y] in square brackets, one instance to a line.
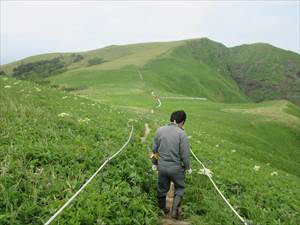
[172, 145]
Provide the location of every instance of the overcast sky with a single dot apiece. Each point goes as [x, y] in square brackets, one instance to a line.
[35, 27]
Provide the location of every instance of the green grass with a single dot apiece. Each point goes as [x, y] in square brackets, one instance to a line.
[40, 149]
[45, 158]
[255, 72]
[231, 144]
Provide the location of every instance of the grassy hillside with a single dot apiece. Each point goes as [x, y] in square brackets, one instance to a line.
[258, 71]
[46, 157]
[52, 142]
[55, 135]
[265, 72]
[115, 56]
[262, 71]
[169, 74]
[232, 140]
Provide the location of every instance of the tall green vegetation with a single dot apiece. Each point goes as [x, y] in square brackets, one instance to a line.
[52, 142]
[259, 71]
[95, 61]
[39, 69]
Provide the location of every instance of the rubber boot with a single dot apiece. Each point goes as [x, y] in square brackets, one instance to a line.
[175, 207]
[162, 204]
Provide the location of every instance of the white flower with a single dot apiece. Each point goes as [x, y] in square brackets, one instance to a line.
[206, 171]
[85, 120]
[233, 150]
[274, 173]
[63, 114]
[7, 86]
[217, 146]
[256, 168]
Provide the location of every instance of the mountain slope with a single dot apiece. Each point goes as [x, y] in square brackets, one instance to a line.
[46, 156]
[262, 71]
[258, 71]
[52, 142]
[265, 72]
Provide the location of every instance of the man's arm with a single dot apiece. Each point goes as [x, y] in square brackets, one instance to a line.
[184, 149]
[155, 147]
[155, 144]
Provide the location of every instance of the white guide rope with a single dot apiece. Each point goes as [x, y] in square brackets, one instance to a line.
[218, 190]
[141, 75]
[159, 103]
[89, 180]
[157, 98]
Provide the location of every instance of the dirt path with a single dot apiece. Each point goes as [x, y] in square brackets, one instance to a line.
[166, 220]
[183, 98]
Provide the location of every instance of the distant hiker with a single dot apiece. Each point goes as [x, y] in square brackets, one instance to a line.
[171, 155]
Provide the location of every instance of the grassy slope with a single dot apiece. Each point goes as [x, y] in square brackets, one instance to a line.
[179, 72]
[265, 72]
[268, 140]
[175, 71]
[265, 134]
[231, 143]
[46, 158]
[262, 72]
[116, 56]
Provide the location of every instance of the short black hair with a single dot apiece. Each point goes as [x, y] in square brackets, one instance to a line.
[178, 116]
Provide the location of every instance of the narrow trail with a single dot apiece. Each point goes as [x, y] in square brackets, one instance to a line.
[141, 75]
[166, 220]
[183, 98]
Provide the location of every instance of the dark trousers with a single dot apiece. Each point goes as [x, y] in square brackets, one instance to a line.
[168, 174]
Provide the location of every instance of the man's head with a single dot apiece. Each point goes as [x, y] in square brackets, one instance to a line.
[179, 117]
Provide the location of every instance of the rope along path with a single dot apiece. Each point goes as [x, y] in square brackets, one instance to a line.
[218, 190]
[245, 222]
[90, 179]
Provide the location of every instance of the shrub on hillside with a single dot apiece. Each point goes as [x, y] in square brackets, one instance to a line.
[95, 61]
[76, 58]
[39, 69]
[69, 89]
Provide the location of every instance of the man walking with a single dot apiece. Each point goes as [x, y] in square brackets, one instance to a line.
[171, 148]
